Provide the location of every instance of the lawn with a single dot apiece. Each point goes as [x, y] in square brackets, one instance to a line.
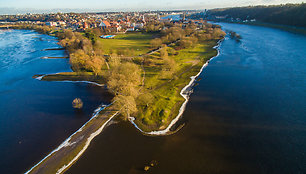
[138, 42]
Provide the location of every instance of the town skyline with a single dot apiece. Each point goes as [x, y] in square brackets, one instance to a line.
[35, 6]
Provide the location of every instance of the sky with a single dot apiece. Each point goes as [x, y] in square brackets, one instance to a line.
[13, 6]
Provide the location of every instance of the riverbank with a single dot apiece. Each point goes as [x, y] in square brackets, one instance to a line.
[46, 57]
[72, 77]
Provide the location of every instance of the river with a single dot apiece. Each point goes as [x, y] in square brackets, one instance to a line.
[247, 115]
[37, 116]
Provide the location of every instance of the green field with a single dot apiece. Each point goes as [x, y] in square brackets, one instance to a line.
[138, 42]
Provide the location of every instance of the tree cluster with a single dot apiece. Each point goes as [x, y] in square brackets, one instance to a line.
[123, 80]
[285, 14]
[85, 52]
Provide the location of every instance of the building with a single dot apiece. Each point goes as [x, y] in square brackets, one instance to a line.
[104, 24]
[139, 25]
[52, 24]
[129, 29]
[61, 23]
[85, 25]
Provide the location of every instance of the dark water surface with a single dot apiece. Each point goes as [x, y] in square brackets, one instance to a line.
[246, 115]
[36, 116]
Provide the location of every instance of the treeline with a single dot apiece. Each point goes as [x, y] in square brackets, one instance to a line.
[288, 14]
[187, 36]
[179, 37]
[38, 28]
[175, 38]
[85, 51]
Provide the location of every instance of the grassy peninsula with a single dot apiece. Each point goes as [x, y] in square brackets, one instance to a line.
[144, 70]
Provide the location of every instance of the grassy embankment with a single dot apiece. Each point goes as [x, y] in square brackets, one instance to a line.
[72, 76]
[75, 146]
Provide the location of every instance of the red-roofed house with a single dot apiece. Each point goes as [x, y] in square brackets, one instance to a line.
[85, 25]
[104, 24]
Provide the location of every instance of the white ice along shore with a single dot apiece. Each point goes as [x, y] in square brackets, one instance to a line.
[91, 137]
[67, 142]
[94, 83]
[185, 92]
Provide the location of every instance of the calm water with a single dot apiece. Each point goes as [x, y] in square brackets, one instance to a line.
[36, 116]
[247, 115]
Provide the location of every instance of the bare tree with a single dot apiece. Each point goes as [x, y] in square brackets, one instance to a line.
[126, 105]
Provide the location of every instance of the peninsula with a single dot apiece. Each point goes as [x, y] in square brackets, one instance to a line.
[148, 63]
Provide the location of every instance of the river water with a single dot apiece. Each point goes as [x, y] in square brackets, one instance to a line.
[36, 116]
[247, 115]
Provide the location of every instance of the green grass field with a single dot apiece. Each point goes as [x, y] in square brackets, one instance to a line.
[138, 42]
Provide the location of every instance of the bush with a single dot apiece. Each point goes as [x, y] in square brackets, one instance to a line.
[77, 103]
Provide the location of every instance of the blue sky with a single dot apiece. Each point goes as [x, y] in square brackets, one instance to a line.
[130, 5]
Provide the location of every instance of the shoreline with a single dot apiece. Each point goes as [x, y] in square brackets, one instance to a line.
[70, 81]
[46, 57]
[185, 93]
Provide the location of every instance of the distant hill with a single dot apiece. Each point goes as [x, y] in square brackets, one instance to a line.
[288, 14]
